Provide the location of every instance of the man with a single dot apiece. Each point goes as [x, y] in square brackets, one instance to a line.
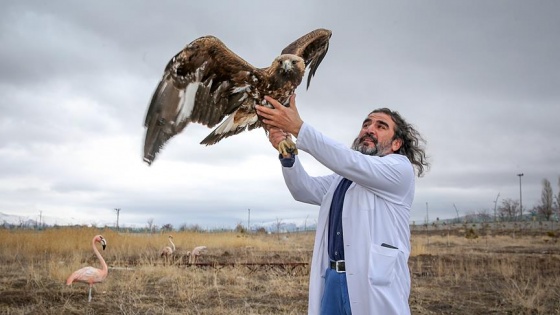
[362, 244]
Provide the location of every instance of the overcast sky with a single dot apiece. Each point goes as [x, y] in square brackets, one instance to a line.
[479, 79]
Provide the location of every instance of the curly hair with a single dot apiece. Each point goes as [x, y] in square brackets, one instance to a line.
[412, 142]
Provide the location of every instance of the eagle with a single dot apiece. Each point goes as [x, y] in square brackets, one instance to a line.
[209, 84]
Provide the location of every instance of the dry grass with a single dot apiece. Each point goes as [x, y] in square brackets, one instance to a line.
[35, 266]
[488, 275]
[450, 274]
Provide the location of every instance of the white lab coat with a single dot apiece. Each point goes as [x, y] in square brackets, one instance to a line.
[376, 210]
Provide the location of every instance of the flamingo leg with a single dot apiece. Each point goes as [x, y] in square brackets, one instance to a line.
[89, 298]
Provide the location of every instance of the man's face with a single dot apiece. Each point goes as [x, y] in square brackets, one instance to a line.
[375, 137]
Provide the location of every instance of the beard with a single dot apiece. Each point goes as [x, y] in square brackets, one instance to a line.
[379, 149]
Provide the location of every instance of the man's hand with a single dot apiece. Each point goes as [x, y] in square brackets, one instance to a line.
[284, 118]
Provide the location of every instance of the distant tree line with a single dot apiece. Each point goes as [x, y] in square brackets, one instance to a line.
[509, 210]
[548, 207]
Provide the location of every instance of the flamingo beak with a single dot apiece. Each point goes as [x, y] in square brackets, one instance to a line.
[103, 244]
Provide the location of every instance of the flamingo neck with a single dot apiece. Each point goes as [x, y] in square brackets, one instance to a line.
[172, 244]
[98, 254]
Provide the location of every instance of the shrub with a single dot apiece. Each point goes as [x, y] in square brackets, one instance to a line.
[471, 234]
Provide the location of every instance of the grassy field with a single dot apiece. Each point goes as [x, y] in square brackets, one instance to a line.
[510, 273]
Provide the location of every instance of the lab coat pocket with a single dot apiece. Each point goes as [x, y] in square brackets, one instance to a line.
[382, 265]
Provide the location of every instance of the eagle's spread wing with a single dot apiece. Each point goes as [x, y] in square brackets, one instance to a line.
[312, 47]
[203, 83]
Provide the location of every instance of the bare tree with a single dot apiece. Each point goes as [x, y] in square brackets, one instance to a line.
[150, 224]
[545, 208]
[484, 215]
[167, 227]
[279, 224]
[196, 228]
[239, 228]
[509, 209]
[470, 216]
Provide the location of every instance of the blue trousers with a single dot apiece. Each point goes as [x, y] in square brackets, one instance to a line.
[335, 299]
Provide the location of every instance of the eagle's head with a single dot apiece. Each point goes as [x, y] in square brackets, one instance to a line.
[289, 65]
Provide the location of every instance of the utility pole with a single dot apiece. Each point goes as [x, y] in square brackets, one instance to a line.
[248, 220]
[457, 211]
[118, 210]
[40, 219]
[520, 196]
[427, 214]
[427, 224]
[496, 205]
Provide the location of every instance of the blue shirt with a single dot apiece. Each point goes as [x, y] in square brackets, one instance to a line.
[336, 237]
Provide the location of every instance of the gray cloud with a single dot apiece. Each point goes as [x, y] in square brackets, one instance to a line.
[478, 79]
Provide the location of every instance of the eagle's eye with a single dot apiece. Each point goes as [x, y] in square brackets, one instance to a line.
[294, 62]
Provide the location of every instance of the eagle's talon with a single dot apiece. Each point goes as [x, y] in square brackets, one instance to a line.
[287, 148]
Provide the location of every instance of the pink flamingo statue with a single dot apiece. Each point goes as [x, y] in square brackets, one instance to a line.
[91, 275]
